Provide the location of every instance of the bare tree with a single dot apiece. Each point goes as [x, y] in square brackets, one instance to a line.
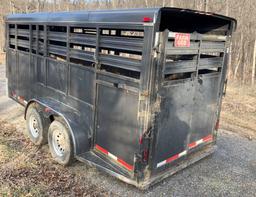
[242, 53]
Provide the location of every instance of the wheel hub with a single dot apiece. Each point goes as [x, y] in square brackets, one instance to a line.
[59, 142]
[34, 127]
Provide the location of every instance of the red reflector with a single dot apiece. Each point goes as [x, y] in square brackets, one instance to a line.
[47, 109]
[101, 149]
[182, 40]
[172, 158]
[126, 165]
[192, 145]
[147, 19]
[207, 138]
[145, 155]
[141, 140]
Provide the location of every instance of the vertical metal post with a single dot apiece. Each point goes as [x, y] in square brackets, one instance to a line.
[37, 40]
[95, 97]
[45, 53]
[7, 46]
[68, 58]
[198, 56]
[30, 53]
[16, 37]
[16, 55]
[97, 48]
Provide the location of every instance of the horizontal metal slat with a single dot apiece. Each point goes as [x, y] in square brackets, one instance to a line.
[12, 41]
[22, 43]
[40, 34]
[83, 39]
[180, 66]
[23, 32]
[83, 55]
[120, 62]
[171, 50]
[57, 36]
[129, 44]
[210, 62]
[206, 37]
[212, 45]
[57, 50]
[12, 31]
[190, 65]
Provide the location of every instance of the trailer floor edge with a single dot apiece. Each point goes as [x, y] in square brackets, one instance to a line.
[193, 158]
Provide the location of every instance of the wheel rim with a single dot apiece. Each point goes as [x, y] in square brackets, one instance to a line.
[59, 142]
[34, 126]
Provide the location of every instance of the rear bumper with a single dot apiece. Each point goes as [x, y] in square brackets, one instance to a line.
[191, 159]
[144, 184]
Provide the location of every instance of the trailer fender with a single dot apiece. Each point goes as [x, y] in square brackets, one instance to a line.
[79, 131]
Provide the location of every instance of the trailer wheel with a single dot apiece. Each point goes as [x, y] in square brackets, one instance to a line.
[37, 126]
[60, 143]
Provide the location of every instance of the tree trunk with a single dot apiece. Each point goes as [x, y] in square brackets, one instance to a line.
[243, 64]
[254, 63]
[230, 61]
[172, 3]
[240, 54]
[206, 5]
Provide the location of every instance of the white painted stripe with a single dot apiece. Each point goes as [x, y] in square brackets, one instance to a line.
[112, 156]
[199, 141]
[25, 102]
[161, 164]
[183, 153]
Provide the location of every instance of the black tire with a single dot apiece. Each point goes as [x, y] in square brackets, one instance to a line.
[37, 126]
[60, 143]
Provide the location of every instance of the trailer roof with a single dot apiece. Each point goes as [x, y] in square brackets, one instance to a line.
[133, 16]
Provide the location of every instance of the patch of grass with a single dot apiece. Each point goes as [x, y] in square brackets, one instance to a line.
[239, 110]
[6, 153]
[17, 191]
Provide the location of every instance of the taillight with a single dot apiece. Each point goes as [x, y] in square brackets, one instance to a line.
[147, 19]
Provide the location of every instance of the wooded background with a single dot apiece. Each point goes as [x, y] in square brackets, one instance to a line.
[243, 51]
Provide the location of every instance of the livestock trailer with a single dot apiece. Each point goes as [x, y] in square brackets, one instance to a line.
[135, 92]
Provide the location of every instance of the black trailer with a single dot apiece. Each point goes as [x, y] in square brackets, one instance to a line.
[136, 92]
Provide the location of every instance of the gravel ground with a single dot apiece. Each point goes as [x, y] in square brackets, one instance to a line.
[230, 171]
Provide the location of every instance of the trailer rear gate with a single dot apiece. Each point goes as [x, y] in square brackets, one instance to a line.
[140, 89]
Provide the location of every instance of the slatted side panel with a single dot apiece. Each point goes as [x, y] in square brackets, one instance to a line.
[120, 51]
[204, 54]
[66, 58]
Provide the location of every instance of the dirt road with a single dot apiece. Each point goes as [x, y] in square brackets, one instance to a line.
[28, 171]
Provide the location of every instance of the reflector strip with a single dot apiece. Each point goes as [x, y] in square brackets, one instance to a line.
[208, 138]
[21, 99]
[14, 94]
[169, 160]
[122, 162]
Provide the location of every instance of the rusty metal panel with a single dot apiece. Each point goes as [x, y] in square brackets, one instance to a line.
[174, 120]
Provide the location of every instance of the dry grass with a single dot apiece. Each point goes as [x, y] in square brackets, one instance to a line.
[26, 170]
[2, 58]
[239, 110]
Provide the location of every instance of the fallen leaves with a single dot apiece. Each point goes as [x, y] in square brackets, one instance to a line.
[31, 172]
